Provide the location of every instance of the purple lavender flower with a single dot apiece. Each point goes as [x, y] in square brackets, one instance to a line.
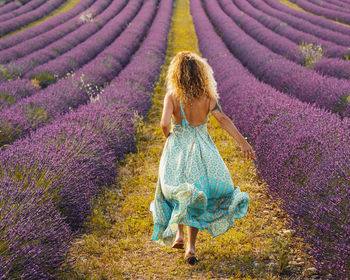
[45, 26]
[274, 69]
[17, 22]
[328, 13]
[74, 158]
[303, 152]
[45, 39]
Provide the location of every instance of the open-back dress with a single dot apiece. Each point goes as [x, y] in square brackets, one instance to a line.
[194, 185]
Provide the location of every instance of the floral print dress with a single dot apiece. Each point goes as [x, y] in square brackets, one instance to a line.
[194, 185]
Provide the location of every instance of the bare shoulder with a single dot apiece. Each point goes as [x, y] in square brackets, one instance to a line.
[212, 102]
[216, 110]
[170, 97]
[214, 105]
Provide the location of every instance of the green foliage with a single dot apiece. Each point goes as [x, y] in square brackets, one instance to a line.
[4, 74]
[7, 134]
[342, 104]
[312, 53]
[35, 113]
[7, 98]
[44, 79]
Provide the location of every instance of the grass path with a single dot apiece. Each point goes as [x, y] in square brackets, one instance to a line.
[117, 241]
[67, 5]
[296, 7]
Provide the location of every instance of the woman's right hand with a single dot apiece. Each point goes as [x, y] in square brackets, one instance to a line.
[248, 151]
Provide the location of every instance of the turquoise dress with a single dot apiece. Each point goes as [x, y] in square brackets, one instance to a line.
[194, 185]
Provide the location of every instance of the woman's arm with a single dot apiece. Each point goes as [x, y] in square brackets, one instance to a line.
[229, 126]
[168, 109]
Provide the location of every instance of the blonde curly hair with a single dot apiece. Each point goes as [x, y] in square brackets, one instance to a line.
[190, 76]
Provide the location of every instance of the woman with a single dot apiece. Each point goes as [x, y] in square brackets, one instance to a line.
[194, 186]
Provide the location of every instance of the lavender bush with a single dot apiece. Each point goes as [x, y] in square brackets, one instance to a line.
[17, 22]
[69, 46]
[316, 20]
[329, 6]
[280, 24]
[37, 110]
[17, 68]
[34, 238]
[260, 33]
[303, 152]
[8, 6]
[12, 91]
[45, 26]
[333, 67]
[284, 75]
[339, 3]
[30, 6]
[43, 40]
[90, 48]
[317, 10]
[336, 67]
[92, 138]
[70, 150]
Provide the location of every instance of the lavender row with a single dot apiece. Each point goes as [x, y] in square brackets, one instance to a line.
[303, 24]
[88, 49]
[302, 151]
[82, 34]
[330, 6]
[298, 53]
[288, 26]
[5, 8]
[339, 3]
[39, 109]
[28, 46]
[21, 88]
[53, 50]
[30, 6]
[45, 26]
[316, 20]
[274, 69]
[9, 6]
[3, 3]
[259, 32]
[107, 120]
[334, 15]
[276, 42]
[23, 254]
[17, 22]
[333, 67]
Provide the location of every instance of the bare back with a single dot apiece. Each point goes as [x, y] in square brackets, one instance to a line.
[195, 115]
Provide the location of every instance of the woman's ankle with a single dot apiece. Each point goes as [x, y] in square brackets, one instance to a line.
[190, 247]
[179, 236]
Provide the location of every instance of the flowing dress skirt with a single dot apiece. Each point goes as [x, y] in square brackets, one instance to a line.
[194, 186]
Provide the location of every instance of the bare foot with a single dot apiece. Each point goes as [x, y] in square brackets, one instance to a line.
[189, 252]
[190, 257]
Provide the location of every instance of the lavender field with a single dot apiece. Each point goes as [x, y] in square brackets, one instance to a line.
[81, 97]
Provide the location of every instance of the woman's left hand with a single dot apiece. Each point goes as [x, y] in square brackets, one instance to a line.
[248, 151]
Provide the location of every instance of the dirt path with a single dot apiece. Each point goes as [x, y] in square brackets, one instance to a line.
[117, 243]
